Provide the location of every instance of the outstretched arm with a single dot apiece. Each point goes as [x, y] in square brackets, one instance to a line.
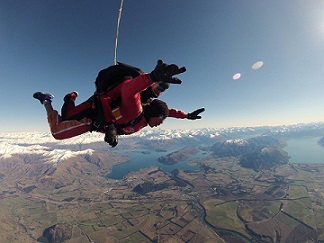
[183, 115]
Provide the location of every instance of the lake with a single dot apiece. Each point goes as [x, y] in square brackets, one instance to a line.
[140, 160]
[305, 150]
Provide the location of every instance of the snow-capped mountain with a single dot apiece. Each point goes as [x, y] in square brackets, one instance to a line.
[35, 146]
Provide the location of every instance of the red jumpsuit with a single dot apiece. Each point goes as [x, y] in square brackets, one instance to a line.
[69, 128]
[129, 109]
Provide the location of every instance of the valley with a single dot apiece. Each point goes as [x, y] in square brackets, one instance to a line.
[246, 190]
[223, 202]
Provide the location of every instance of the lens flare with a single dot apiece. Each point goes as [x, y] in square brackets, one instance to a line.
[257, 65]
[236, 76]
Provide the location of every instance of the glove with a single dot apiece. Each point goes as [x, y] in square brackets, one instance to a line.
[194, 115]
[164, 73]
[111, 135]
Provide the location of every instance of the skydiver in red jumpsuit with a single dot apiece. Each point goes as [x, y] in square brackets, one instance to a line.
[128, 117]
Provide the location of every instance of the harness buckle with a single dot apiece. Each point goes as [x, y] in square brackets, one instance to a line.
[95, 126]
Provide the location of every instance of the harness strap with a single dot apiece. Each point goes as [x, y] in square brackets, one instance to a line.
[100, 119]
[131, 123]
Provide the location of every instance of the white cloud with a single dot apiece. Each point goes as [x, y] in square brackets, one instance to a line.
[42, 146]
[38, 146]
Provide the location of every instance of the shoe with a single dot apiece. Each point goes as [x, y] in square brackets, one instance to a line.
[71, 96]
[42, 97]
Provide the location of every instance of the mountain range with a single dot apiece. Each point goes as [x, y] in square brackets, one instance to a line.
[59, 174]
[44, 152]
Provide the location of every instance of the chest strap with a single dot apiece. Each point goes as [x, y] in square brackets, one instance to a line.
[131, 123]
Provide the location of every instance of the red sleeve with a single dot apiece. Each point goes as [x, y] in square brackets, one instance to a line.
[131, 106]
[130, 92]
[136, 85]
[177, 113]
[130, 87]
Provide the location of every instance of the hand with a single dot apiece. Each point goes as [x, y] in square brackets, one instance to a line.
[164, 73]
[194, 115]
[111, 136]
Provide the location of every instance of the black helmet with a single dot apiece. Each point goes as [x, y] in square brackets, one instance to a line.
[156, 108]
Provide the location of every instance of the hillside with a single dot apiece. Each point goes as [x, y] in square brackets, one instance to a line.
[56, 191]
[178, 156]
[257, 153]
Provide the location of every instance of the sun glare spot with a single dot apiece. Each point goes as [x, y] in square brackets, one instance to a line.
[236, 76]
[257, 65]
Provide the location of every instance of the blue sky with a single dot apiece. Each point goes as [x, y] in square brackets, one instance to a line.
[59, 46]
